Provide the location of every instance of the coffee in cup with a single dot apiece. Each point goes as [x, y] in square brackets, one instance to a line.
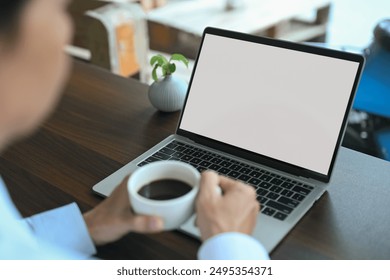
[164, 189]
[167, 189]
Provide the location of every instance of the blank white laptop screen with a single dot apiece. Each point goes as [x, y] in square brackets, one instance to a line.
[280, 103]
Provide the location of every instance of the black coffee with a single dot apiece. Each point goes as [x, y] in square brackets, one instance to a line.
[165, 189]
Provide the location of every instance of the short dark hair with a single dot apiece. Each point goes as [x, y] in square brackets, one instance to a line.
[9, 15]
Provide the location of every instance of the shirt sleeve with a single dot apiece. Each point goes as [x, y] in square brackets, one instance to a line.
[232, 246]
[56, 234]
[63, 227]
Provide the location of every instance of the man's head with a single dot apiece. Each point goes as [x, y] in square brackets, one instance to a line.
[33, 65]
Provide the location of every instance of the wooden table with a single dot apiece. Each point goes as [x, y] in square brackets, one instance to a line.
[104, 121]
[178, 26]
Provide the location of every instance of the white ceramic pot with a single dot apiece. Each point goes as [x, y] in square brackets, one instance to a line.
[168, 94]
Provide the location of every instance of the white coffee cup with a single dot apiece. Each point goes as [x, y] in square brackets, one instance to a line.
[175, 211]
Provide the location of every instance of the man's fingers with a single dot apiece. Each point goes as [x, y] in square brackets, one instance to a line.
[210, 180]
[208, 183]
[228, 184]
[146, 224]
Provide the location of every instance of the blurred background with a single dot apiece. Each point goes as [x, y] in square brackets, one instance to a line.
[121, 36]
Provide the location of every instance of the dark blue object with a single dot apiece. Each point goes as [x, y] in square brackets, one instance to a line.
[383, 141]
[373, 94]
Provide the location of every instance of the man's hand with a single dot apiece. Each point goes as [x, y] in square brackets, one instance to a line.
[233, 211]
[113, 218]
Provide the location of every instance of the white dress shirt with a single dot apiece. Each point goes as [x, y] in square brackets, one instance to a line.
[62, 234]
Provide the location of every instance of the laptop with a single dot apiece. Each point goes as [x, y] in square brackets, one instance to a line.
[270, 113]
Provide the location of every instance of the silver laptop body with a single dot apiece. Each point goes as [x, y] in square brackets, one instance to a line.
[267, 105]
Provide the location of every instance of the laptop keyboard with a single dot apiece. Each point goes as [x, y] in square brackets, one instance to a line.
[278, 195]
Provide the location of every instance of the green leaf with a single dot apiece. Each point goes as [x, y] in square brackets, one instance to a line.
[171, 68]
[155, 59]
[154, 73]
[159, 59]
[164, 69]
[179, 57]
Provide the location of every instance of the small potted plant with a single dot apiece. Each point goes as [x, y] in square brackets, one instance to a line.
[168, 92]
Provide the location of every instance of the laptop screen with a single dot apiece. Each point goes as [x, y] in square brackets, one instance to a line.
[284, 104]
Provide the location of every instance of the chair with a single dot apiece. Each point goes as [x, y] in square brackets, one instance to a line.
[115, 36]
[373, 95]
